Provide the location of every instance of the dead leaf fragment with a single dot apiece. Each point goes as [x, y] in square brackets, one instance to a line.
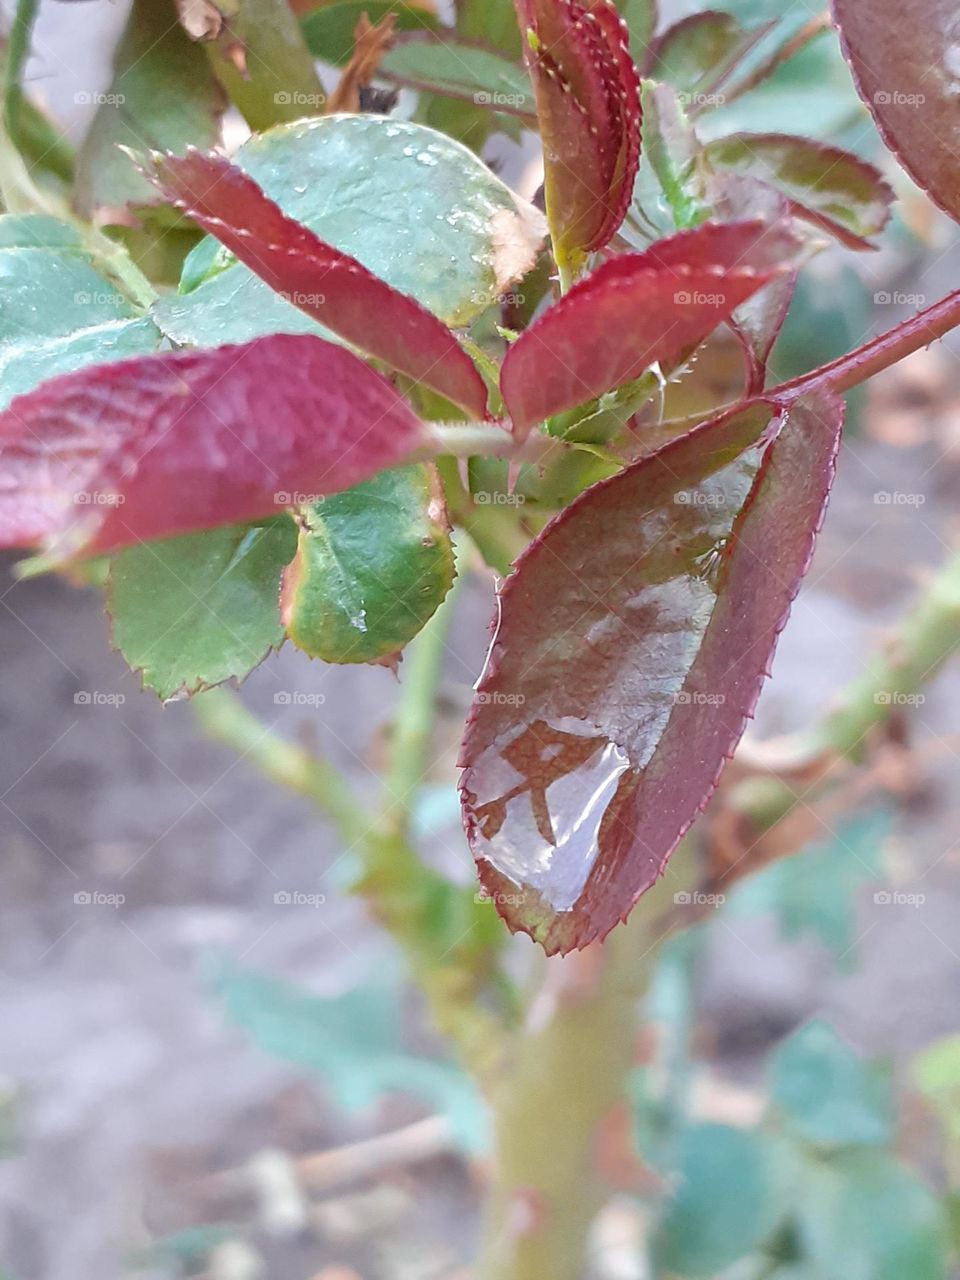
[371, 43]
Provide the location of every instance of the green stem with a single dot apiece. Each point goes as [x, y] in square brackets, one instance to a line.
[224, 717]
[565, 1080]
[494, 531]
[279, 81]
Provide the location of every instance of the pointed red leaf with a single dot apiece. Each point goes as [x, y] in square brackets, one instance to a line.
[588, 103]
[906, 62]
[328, 285]
[622, 670]
[637, 310]
[164, 444]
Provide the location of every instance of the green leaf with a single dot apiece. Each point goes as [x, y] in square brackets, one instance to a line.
[493, 21]
[827, 1095]
[421, 211]
[837, 190]
[937, 1074]
[675, 155]
[163, 95]
[462, 71]
[372, 566]
[329, 29]
[354, 1043]
[728, 1201]
[191, 612]
[815, 892]
[59, 312]
[864, 1216]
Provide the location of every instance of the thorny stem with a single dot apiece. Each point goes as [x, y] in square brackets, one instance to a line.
[923, 642]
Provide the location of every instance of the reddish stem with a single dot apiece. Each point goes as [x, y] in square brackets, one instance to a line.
[880, 353]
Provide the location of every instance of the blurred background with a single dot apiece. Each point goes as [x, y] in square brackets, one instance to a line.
[210, 1062]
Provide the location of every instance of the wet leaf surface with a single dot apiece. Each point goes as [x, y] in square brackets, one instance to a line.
[372, 566]
[906, 62]
[637, 310]
[595, 740]
[191, 612]
[165, 444]
[328, 285]
[415, 208]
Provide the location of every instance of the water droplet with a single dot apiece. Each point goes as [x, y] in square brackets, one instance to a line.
[547, 786]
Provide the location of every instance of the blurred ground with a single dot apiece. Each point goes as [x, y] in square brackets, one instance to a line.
[129, 1084]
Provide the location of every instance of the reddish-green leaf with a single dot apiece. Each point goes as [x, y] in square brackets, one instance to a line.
[588, 102]
[328, 285]
[906, 62]
[623, 668]
[836, 190]
[698, 54]
[164, 444]
[637, 310]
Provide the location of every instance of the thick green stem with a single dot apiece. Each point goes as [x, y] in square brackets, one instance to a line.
[562, 1087]
[894, 678]
[494, 531]
[278, 80]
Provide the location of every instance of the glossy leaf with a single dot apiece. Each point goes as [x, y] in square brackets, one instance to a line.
[59, 312]
[834, 189]
[727, 1201]
[328, 285]
[461, 70]
[622, 671]
[418, 210]
[191, 612]
[906, 62]
[372, 566]
[329, 29]
[163, 94]
[170, 443]
[698, 54]
[588, 102]
[638, 310]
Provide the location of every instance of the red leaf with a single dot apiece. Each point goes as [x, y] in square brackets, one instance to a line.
[588, 103]
[906, 62]
[623, 669]
[328, 285]
[637, 310]
[165, 444]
